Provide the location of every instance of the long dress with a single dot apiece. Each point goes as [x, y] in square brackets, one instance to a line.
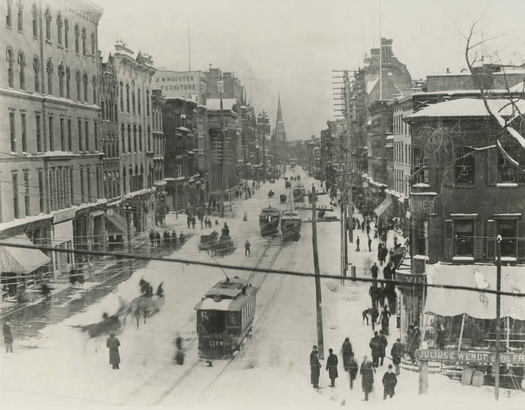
[114, 356]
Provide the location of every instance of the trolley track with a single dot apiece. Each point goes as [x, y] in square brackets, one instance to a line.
[154, 382]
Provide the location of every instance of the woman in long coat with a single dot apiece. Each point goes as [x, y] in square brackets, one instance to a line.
[347, 353]
[114, 356]
[315, 368]
[331, 366]
[367, 376]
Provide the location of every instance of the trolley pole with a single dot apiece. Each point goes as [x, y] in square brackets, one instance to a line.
[498, 314]
[318, 304]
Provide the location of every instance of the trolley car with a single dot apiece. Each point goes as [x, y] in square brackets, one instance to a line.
[291, 226]
[225, 317]
[269, 221]
[298, 193]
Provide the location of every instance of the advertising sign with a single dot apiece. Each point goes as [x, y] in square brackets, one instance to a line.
[453, 356]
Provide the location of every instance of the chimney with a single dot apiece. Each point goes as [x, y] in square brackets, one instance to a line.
[448, 70]
[386, 49]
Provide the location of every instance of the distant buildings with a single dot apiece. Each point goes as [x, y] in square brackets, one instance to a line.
[190, 85]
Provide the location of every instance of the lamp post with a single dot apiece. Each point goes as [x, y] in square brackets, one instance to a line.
[498, 313]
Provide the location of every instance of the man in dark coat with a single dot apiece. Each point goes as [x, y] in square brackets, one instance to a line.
[380, 295]
[385, 321]
[114, 357]
[389, 383]
[347, 353]
[375, 271]
[315, 368]
[397, 354]
[8, 337]
[357, 244]
[157, 239]
[375, 349]
[331, 366]
[152, 239]
[380, 253]
[383, 343]
[367, 376]
[375, 316]
[373, 295]
[369, 244]
[352, 369]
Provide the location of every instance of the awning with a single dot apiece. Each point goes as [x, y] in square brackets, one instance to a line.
[449, 302]
[115, 225]
[381, 209]
[21, 260]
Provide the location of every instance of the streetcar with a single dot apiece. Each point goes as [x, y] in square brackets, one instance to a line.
[291, 226]
[225, 317]
[269, 221]
[298, 193]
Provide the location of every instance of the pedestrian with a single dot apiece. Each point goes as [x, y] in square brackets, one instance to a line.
[179, 351]
[373, 295]
[188, 220]
[375, 271]
[352, 370]
[160, 290]
[357, 244]
[397, 353]
[225, 230]
[315, 368]
[114, 357]
[167, 238]
[380, 295]
[368, 228]
[247, 246]
[174, 239]
[387, 271]
[193, 222]
[152, 239]
[367, 376]
[8, 337]
[181, 238]
[389, 383]
[414, 338]
[375, 349]
[385, 320]
[157, 239]
[331, 367]
[375, 316]
[369, 244]
[346, 353]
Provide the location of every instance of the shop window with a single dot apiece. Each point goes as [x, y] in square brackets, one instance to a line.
[508, 231]
[464, 167]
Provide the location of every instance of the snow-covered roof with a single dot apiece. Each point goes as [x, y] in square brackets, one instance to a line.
[371, 84]
[468, 107]
[214, 104]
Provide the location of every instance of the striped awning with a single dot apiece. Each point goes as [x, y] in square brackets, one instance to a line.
[383, 207]
[21, 260]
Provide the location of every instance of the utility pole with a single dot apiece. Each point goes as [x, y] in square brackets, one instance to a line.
[264, 146]
[498, 314]
[220, 85]
[318, 302]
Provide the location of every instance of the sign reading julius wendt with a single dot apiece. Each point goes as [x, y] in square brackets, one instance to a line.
[453, 356]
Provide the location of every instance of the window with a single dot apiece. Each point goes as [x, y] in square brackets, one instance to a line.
[140, 138]
[78, 80]
[12, 131]
[23, 127]
[80, 141]
[82, 186]
[71, 185]
[86, 136]
[47, 16]
[36, 70]
[149, 138]
[66, 33]
[34, 12]
[85, 78]
[133, 100]
[123, 136]
[102, 109]
[9, 14]
[84, 50]
[41, 202]
[147, 102]
[20, 16]
[507, 173]
[77, 39]
[38, 134]
[95, 129]
[68, 82]
[26, 192]
[420, 173]
[138, 101]
[464, 167]
[129, 139]
[127, 97]
[88, 172]
[93, 45]
[21, 67]
[61, 74]
[508, 231]
[121, 92]
[59, 29]
[464, 237]
[94, 83]
[51, 136]
[134, 138]
[69, 136]
[98, 184]
[62, 135]
[15, 195]
[10, 75]
[49, 70]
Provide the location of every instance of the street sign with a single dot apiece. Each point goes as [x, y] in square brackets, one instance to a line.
[453, 356]
[409, 279]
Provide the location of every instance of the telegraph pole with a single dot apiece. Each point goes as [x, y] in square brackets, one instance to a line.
[264, 146]
[223, 137]
[498, 314]
[318, 302]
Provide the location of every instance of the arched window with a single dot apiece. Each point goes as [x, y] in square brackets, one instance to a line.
[49, 69]
[121, 91]
[94, 82]
[61, 74]
[36, 70]
[138, 100]
[131, 179]
[134, 138]
[123, 136]
[133, 97]
[9, 14]
[66, 33]
[77, 39]
[68, 82]
[48, 24]
[129, 138]
[78, 79]
[34, 12]
[21, 67]
[85, 79]
[127, 97]
[124, 181]
[93, 45]
[141, 177]
[147, 102]
[60, 24]
[20, 16]
[140, 138]
[84, 51]
[10, 74]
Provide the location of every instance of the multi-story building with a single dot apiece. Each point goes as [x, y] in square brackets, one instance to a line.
[190, 85]
[51, 165]
[158, 147]
[135, 74]
[232, 87]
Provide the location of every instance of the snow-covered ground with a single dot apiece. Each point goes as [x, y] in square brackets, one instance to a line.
[65, 368]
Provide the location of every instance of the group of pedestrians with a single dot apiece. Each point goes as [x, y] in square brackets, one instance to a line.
[367, 369]
[166, 240]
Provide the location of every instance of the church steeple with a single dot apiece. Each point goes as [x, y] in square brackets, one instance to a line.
[279, 132]
[279, 111]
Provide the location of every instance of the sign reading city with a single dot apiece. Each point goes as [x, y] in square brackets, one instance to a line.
[454, 356]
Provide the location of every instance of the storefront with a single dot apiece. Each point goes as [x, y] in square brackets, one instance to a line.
[116, 229]
[410, 302]
[62, 238]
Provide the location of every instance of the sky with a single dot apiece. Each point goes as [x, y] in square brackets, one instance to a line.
[290, 47]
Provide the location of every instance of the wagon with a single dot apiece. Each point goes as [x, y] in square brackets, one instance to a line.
[282, 197]
[207, 242]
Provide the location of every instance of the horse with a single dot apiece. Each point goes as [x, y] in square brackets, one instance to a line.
[145, 305]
